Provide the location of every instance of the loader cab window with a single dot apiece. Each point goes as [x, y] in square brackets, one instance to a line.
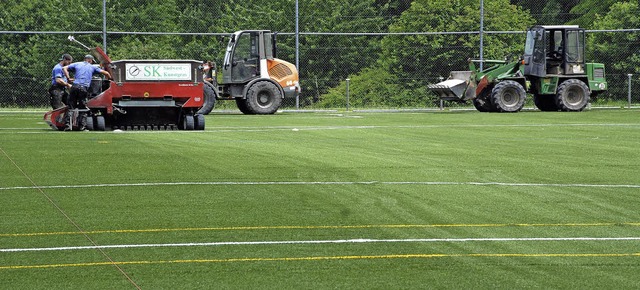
[534, 52]
[531, 40]
[268, 46]
[555, 47]
[246, 57]
[574, 52]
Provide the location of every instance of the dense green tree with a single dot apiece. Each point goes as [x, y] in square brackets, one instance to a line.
[551, 12]
[328, 59]
[617, 50]
[419, 59]
[586, 11]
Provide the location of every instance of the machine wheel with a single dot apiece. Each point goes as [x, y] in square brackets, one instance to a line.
[572, 95]
[89, 123]
[100, 123]
[199, 122]
[242, 105]
[545, 103]
[188, 122]
[263, 97]
[209, 99]
[508, 96]
[482, 105]
[483, 101]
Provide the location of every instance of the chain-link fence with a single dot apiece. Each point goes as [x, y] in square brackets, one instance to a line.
[355, 54]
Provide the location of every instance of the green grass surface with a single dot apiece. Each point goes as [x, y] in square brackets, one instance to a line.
[330, 184]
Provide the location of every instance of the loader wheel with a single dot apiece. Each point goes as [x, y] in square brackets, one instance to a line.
[263, 97]
[482, 105]
[100, 123]
[242, 105]
[573, 95]
[545, 103]
[483, 102]
[199, 122]
[209, 99]
[188, 123]
[508, 96]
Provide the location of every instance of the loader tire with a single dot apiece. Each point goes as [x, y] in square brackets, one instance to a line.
[483, 102]
[263, 97]
[508, 96]
[242, 106]
[545, 103]
[209, 99]
[572, 95]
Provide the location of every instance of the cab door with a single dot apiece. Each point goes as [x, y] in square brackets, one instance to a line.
[535, 62]
[242, 62]
[574, 52]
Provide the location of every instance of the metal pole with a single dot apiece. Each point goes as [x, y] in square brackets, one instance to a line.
[297, 49]
[441, 78]
[629, 96]
[481, 33]
[104, 25]
[348, 94]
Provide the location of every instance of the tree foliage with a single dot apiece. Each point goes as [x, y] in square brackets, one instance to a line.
[619, 51]
[392, 66]
[420, 59]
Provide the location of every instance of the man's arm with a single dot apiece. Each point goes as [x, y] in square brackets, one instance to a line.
[106, 73]
[65, 70]
[62, 83]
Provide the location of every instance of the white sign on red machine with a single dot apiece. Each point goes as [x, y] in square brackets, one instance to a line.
[158, 71]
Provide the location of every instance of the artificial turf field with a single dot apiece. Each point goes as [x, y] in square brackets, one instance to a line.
[325, 200]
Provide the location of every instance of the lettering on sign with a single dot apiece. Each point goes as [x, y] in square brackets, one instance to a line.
[158, 71]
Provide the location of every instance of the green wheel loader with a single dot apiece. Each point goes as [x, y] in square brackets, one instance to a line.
[552, 69]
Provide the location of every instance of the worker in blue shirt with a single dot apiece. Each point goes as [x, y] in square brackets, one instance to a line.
[82, 72]
[59, 83]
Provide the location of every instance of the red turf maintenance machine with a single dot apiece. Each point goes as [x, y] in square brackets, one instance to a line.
[143, 95]
[172, 94]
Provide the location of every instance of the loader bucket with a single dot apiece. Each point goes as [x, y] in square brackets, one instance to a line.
[458, 87]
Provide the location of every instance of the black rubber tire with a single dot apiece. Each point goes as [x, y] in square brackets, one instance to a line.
[209, 99]
[508, 96]
[89, 123]
[100, 124]
[263, 97]
[572, 95]
[242, 105]
[199, 122]
[545, 103]
[483, 101]
[188, 122]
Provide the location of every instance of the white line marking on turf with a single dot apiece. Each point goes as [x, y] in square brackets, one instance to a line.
[471, 183]
[315, 128]
[348, 241]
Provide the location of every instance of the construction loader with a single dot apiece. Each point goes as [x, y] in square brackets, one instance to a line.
[552, 69]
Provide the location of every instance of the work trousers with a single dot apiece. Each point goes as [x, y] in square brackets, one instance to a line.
[58, 96]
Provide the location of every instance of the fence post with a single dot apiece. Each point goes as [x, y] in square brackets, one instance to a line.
[297, 48]
[348, 94]
[104, 25]
[629, 96]
[441, 78]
